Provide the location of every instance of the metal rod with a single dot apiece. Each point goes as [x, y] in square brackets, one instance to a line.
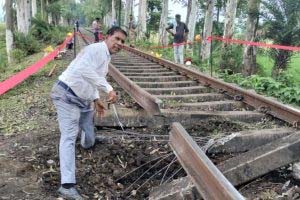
[127, 189]
[142, 166]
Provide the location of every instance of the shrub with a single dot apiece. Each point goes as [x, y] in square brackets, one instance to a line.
[18, 55]
[3, 63]
[26, 43]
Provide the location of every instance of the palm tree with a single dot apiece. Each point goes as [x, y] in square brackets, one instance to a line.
[282, 25]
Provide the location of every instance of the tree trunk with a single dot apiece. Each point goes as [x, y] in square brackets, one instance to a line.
[230, 14]
[128, 11]
[163, 37]
[207, 30]
[33, 8]
[191, 18]
[107, 19]
[142, 29]
[229, 18]
[113, 12]
[43, 9]
[9, 29]
[249, 57]
[23, 16]
[49, 15]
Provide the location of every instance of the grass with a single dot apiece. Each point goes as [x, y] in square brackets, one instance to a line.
[266, 65]
[2, 47]
[294, 68]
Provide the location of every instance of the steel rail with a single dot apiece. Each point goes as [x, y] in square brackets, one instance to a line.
[261, 103]
[150, 103]
[209, 181]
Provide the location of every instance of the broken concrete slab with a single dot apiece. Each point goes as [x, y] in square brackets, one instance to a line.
[250, 165]
[128, 117]
[262, 160]
[246, 140]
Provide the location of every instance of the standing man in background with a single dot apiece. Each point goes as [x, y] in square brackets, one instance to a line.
[75, 95]
[179, 33]
[131, 31]
[77, 25]
[96, 28]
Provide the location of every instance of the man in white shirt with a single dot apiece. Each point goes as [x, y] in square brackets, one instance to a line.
[73, 96]
[96, 28]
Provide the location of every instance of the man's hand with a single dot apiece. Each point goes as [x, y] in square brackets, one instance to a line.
[112, 97]
[99, 108]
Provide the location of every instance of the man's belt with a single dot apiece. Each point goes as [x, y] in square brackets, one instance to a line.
[66, 87]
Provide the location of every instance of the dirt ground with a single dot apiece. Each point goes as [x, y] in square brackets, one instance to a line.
[29, 163]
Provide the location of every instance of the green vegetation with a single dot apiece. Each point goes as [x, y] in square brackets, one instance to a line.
[3, 59]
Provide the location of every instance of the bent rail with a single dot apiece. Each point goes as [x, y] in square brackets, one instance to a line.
[150, 103]
[210, 182]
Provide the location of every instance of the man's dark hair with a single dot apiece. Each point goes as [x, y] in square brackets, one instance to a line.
[177, 16]
[114, 29]
[97, 18]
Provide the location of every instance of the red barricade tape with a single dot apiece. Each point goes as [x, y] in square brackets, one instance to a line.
[24, 74]
[171, 45]
[259, 44]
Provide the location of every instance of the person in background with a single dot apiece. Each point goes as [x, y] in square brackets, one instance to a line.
[179, 31]
[131, 31]
[77, 25]
[75, 96]
[96, 28]
[114, 23]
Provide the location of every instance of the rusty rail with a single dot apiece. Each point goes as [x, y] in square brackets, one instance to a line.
[209, 181]
[268, 106]
[150, 103]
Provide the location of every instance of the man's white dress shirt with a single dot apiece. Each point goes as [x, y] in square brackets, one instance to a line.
[87, 72]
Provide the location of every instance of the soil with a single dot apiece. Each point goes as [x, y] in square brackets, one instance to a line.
[29, 138]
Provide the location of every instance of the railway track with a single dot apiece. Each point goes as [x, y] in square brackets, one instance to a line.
[184, 95]
[173, 90]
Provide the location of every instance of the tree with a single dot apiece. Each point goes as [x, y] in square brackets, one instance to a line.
[207, 30]
[9, 29]
[128, 11]
[191, 18]
[54, 10]
[33, 8]
[282, 25]
[43, 9]
[163, 37]
[154, 9]
[230, 15]
[113, 11]
[142, 29]
[249, 57]
[23, 16]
